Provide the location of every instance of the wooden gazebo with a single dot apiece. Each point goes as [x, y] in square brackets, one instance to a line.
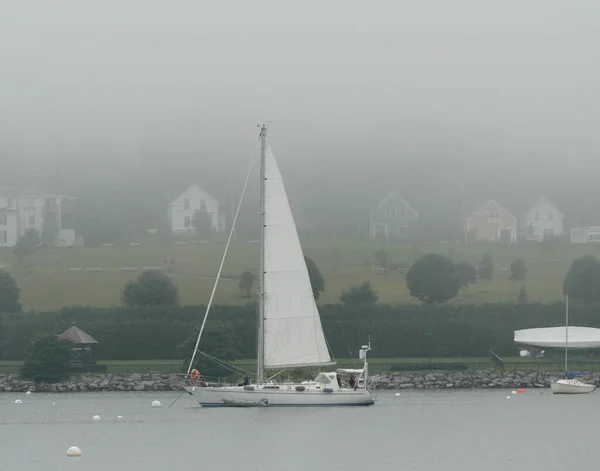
[82, 345]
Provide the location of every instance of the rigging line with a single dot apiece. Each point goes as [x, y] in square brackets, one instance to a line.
[212, 294]
[278, 373]
[224, 363]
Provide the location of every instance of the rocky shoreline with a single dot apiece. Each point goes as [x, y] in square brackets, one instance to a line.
[95, 383]
[475, 379]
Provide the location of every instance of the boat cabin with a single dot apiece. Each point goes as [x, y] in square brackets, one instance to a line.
[352, 377]
[341, 379]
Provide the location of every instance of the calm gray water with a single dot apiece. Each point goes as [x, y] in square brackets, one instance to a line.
[458, 430]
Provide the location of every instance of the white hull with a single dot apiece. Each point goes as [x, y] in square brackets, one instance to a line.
[571, 386]
[285, 396]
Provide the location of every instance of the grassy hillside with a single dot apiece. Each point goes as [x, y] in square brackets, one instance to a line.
[62, 277]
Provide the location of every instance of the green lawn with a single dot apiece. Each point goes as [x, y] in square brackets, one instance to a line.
[60, 277]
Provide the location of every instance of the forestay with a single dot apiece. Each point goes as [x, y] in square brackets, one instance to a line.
[293, 335]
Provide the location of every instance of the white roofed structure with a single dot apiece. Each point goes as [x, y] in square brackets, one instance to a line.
[555, 337]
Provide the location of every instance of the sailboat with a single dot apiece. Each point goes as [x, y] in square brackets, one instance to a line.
[290, 334]
[569, 385]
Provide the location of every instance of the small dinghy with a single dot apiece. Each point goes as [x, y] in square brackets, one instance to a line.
[245, 403]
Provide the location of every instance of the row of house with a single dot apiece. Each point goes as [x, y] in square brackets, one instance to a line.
[395, 219]
[54, 215]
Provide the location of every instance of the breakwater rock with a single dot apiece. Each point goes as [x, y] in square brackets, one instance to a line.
[110, 382]
[472, 379]
[398, 380]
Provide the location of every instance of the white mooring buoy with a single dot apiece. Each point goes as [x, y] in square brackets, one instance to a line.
[507, 397]
[119, 417]
[18, 401]
[74, 452]
[397, 394]
[96, 418]
[156, 404]
[514, 392]
[28, 393]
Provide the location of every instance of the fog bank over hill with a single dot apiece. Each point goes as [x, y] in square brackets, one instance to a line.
[122, 104]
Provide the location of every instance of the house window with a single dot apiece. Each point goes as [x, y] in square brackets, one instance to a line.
[186, 221]
[491, 216]
[393, 213]
[186, 204]
[537, 215]
[550, 216]
[202, 204]
[491, 233]
[31, 220]
[3, 237]
[2, 219]
[548, 233]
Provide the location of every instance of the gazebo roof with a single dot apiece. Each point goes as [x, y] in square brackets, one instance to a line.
[77, 336]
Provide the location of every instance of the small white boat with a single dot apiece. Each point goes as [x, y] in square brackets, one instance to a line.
[571, 386]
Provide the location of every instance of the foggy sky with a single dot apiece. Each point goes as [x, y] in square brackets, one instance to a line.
[378, 83]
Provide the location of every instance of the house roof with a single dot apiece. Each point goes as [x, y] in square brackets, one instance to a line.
[482, 207]
[178, 195]
[395, 195]
[77, 336]
[547, 201]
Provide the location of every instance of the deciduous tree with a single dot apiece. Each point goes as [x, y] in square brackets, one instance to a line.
[359, 295]
[152, 288]
[433, 278]
[582, 282]
[317, 282]
[9, 293]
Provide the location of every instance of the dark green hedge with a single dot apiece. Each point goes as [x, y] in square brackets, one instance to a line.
[395, 331]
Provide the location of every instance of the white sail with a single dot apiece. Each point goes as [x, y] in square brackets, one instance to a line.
[293, 335]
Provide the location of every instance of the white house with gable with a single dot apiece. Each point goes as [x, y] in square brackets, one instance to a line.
[51, 215]
[183, 209]
[542, 220]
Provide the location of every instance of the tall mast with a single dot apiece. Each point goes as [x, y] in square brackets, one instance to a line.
[260, 363]
[566, 333]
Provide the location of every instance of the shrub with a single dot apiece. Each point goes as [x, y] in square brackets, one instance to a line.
[47, 359]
